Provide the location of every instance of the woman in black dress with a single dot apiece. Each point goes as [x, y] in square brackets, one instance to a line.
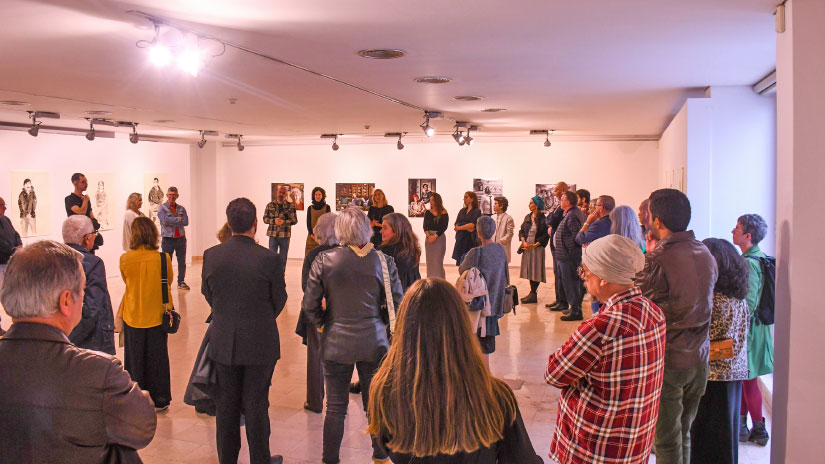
[401, 243]
[465, 227]
[376, 214]
[436, 220]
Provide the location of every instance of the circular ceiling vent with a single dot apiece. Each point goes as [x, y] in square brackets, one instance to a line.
[98, 113]
[382, 53]
[13, 103]
[433, 80]
[493, 110]
[468, 98]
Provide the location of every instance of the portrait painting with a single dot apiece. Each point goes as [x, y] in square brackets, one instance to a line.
[545, 191]
[154, 194]
[103, 197]
[487, 190]
[418, 196]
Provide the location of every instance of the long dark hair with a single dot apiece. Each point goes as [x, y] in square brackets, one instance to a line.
[438, 203]
[403, 235]
[733, 270]
[474, 197]
[433, 394]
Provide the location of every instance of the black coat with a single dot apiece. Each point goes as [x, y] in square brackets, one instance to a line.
[541, 229]
[96, 329]
[407, 267]
[243, 283]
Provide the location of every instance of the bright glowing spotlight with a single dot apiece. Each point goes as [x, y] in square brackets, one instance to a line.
[160, 55]
[190, 61]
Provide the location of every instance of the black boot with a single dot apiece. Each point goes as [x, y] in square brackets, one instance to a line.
[530, 298]
[744, 431]
[759, 434]
[573, 316]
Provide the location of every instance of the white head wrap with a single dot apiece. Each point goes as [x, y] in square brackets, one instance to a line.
[614, 258]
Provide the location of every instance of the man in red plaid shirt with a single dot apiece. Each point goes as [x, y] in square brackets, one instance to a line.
[611, 369]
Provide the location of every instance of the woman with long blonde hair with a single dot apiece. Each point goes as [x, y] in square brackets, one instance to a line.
[133, 204]
[378, 209]
[433, 400]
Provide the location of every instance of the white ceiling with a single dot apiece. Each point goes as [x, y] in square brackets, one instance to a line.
[596, 68]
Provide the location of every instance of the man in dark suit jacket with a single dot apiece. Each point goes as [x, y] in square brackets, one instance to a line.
[60, 403]
[244, 285]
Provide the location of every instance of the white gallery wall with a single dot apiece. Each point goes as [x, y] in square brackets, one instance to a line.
[63, 155]
[726, 144]
[626, 170]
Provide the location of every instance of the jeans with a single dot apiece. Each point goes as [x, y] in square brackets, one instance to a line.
[337, 377]
[177, 246]
[280, 246]
[560, 297]
[568, 271]
[682, 390]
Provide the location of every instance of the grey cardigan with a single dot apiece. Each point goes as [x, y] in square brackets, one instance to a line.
[491, 260]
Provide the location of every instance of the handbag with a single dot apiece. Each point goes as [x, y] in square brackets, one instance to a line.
[721, 349]
[171, 318]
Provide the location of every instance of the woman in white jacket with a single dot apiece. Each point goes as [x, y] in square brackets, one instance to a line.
[133, 204]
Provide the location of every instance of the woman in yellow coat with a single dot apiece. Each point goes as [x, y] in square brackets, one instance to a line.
[146, 356]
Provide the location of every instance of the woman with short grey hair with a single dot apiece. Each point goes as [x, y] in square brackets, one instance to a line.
[625, 222]
[324, 232]
[354, 319]
[491, 260]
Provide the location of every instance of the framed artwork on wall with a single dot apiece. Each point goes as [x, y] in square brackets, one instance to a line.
[487, 190]
[154, 194]
[30, 203]
[105, 201]
[353, 194]
[418, 196]
[545, 191]
[295, 193]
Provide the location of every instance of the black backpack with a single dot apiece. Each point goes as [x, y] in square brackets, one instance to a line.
[765, 308]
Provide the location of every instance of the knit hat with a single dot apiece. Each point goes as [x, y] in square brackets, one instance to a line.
[539, 202]
[614, 258]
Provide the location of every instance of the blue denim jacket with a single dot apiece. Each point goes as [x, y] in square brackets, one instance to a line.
[169, 221]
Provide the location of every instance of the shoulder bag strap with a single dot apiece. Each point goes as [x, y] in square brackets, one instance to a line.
[387, 289]
[164, 281]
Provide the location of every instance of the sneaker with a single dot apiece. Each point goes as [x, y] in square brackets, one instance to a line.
[759, 434]
[572, 317]
[744, 431]
[530, 298]
[161, 408]
[183, 286]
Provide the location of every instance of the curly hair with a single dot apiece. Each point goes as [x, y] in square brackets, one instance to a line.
[733, 270]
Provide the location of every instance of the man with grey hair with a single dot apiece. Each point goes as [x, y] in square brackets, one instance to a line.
[9, 241]
[324, 233]
[54, 396]
[611, 369]
[95, 331]
[491, 260]
[173, 218]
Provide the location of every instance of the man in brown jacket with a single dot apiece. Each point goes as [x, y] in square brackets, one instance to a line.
[60, 403]
[679, 276]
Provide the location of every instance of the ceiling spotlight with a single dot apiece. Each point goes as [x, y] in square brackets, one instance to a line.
[240, 143]
[134, 137]
[469, 140]
[160, 55]
[91, 134]
[461, 139]
[202, 141]
[399, 145]
[190, 61]
[547, 141]
[428, 131]
[35, 129]
[335, 144]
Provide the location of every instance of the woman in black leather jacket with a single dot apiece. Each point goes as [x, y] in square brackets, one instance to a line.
[534, 237]
[354, 322]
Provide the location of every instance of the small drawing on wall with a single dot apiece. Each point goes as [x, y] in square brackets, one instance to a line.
[30, 214]
[294, 193]
[353, 194]
[103, 195]
[155, 185]
[487, 190]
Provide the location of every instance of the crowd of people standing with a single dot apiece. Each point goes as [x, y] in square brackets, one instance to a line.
[667, 362]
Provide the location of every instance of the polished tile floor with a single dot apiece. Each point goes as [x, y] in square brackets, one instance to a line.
[184, 436]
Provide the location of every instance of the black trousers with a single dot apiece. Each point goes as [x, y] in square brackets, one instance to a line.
[243, 388]
[714, 435]
[146, 359]
[176, 246]
[315, 371]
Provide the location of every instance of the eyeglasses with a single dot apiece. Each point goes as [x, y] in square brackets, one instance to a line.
[581, 273]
